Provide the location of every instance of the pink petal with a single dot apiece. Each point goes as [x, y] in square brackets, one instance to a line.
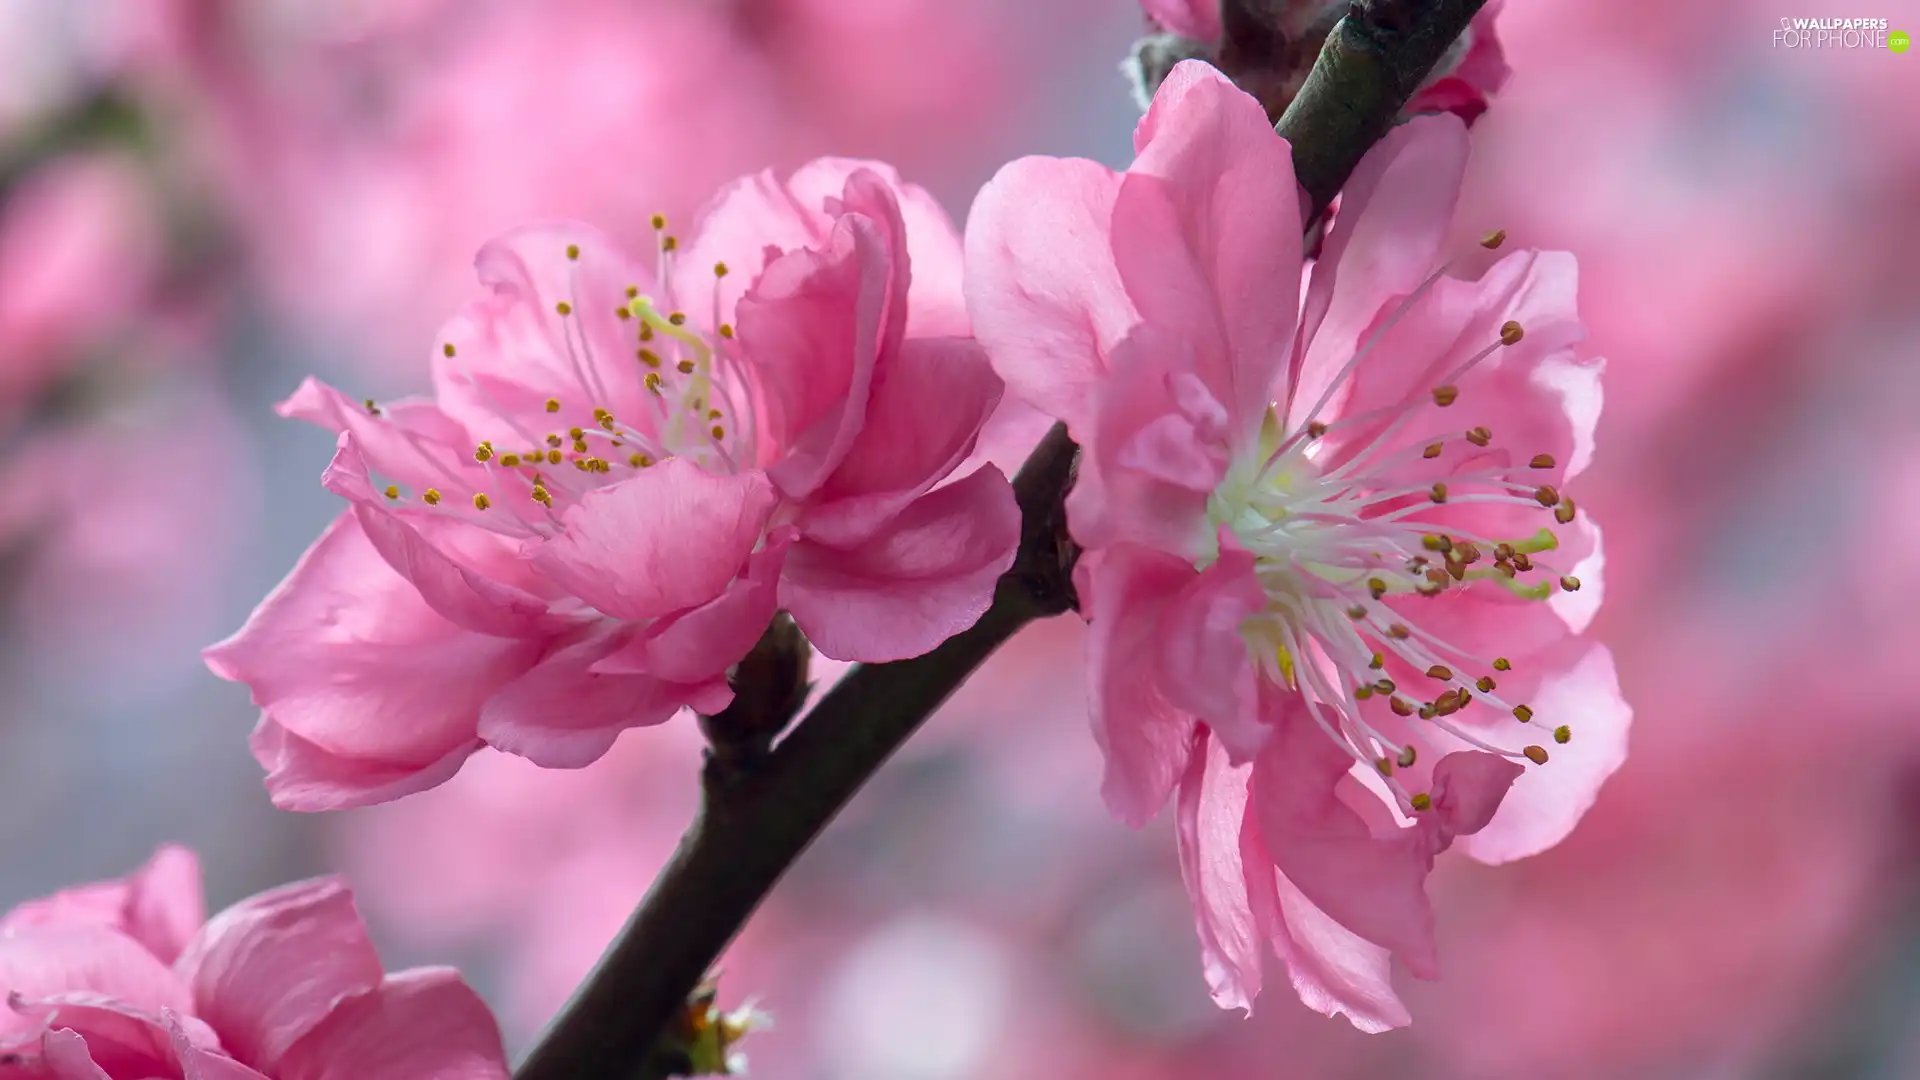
[565, 715]
[196, 1061]
[1394, 215]
[663, 540]
[760, 212]
[268, 969]
[702, 644]
[306, 777]
[1151, 454]
[1547, 801]
[812, 328]
[424, 1024]
[513, 349]
[1205, 669]
[1206, 233]
[1146, 741]
[927, 576]
[159, 905]
[1333, 969]
[413, 442]
[44, 965]
[1374, 887]
[1196, 19]
[1043, 291]
[346, 655]
[925, 412]
[1468, 786]
[65, 1057]
[1208, 819]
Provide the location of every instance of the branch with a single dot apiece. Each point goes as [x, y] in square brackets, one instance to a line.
[758, 818]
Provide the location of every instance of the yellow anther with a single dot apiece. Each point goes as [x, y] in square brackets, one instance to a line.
[622, 313]
[1362, 693]
[392, 492]
[1400, 708]
[1407, 757]
[1562, 734]
[1546, 495]
[1384, 766]
[579, 446]
[553, 404]
[646, 331]
[1439, 493]
[431, 496]
[1485, 683]
[563, 308]
[1444, 396]
[717, 431]
[1541, 461]
[1564, 512]
[542, 496]
[554, 440]
[639, 461]
[573, 251]
[1436, 542]
[1422, 801]
[659, 221]
[1432, 451]
[685, 366]
[1523, 713]
[1356, 613]
[649, 357]
[726, 330]
[555, 457]
[509, 460]
[483, 452]
[1494, 239]
[1376, 587]
[1440, 671]
[447, 350]
[1480, 436]
[1384, 686]
[677, 318]
[713, 414]
[669, 243]
[1570, 583]
[373, 407]
[1377, 662]
[1316, 429]
[576, 433]
[719, 269]
[1511, 333]
[480, 500]
[1536, 754]
[1501, 663]
[1399, 632]
[653, 381]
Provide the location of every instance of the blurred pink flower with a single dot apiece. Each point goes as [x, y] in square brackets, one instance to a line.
[1235, 553]
[79, 246]
[800, 463]
[127, 980]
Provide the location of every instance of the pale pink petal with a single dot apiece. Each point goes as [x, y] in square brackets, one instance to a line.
[759, 212]
[1373, 886]
[1196, 19]
[812, 330]
[1207, 818]
[195, 1059]
[663, 540]
[159, 905]
[304, 776]
[1206, 234]
[411, 442]
[699, 646]
[1468, 786]
[1394, 215]
[65, 1057]
[265, 971]
[347, 656]
[1205, 670]
[1333, 969]
[927, 576]
[564, 714]
[1547, 801]
[51, 963]
[928, 403]
[516, 347]
[424, 1024]
[1146, 741]
[1043, 292]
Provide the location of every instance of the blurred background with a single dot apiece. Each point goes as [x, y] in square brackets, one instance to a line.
[202, 201]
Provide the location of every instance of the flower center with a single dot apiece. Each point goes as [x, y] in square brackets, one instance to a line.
[674, 391]
[1338, 550]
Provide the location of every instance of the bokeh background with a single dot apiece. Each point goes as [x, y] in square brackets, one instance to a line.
[202, 201]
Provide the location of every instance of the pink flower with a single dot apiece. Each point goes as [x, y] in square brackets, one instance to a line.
[127, 980]
[1471, 72]
[1328, 603]
[615, 489]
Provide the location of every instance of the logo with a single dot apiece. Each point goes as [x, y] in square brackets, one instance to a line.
[1839, 34]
